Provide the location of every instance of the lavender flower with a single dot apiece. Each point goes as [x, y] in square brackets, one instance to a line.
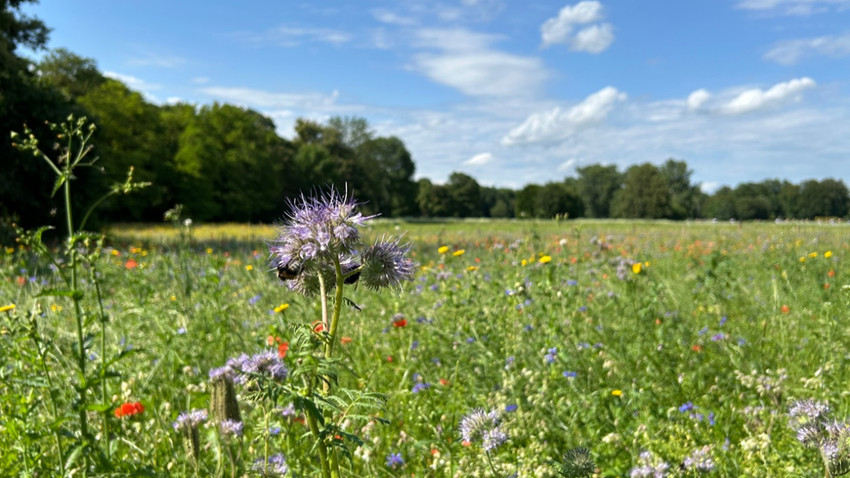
[699, 460]
[650, 467]
[190, 420]
[275, 466]
[808, 410]
[266, 363]
[480, 425]
[231, 428]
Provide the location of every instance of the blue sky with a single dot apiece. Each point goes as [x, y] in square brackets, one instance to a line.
[509, 92]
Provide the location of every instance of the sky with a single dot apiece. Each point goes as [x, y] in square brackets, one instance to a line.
[509, 92]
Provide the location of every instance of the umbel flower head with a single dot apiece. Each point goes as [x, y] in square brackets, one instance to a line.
[323, 232]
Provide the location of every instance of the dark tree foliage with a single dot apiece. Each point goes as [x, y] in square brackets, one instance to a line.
[597, 185]
[25, 182]
[645, 195]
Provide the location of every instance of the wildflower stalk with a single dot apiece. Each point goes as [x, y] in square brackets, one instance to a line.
[104, 386]
[54, 409]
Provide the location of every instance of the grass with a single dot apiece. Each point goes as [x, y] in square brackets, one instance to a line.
[706, 345]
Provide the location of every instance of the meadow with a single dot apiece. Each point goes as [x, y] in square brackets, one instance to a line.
[661, 348]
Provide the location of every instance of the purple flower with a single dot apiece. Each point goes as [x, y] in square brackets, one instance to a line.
[394, 460]
[190, 420]
[421, 386]
[275, 466]
[385, 265]
[550, 355]
[685, 407]
[569, 374]
[510, 407]
[483, 426]
[254, 300]
[231, 428]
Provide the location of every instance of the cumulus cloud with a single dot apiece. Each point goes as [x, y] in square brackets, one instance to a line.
[392, 18]
[793, 7]
[479, 159]
[791, 51]
[591, 39]
[557, 124]
[466, 61]
[697, 99]
[756, 98]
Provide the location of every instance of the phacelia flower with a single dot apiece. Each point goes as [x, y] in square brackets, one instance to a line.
[275, 466]
[699, 460]
[190, 420]
[385, 264]
[482, 426]
[394, 460]
[231, 428]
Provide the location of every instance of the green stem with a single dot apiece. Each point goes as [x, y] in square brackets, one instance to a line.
[490, 462]
[54, 409]
[329, 345]
[104, 389]
[78, 312]
[323, 453]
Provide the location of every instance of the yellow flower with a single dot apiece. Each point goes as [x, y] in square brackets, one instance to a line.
[7, 308]
[249, 267]
[813, 254]
[646, 264]
[617, 393]
[827, 254]
[10, 250]
[458, 252]
[173, 297]
[281, 308]
[802, 259]
[471, 268]
[56, 308]
[209, 250]
[115, 252]
[636, 267]
[443, 249]
[524, 262]
[545, 259]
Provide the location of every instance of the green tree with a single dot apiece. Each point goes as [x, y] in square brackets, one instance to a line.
[721, 204]
[597, 186]
[526, 201]
[684, 196]
[465, 194]
[645, 194]
[390, 167]
[433, 200]
[24, 101]
[232, 157]
[827, 198]
[71, 74]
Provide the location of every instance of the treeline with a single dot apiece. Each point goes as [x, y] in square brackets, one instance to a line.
[227, 163]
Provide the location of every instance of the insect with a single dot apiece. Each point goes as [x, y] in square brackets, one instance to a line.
[288, 271]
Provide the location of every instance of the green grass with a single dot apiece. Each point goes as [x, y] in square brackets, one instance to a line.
[738, 320]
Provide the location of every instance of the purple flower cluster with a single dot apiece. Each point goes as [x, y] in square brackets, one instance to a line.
[394, 460]
[649, 466]
[699, 460]
[231, 428]
[190, 420]
[323, 231]
[815, 429]
[239, 368]
[275, 466]
[483, 426]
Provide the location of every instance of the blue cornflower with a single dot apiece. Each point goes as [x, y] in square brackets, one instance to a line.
[569, 374]
[420, 387]
[687, 406]
[572, 282]
[254, 300]
[511, 407]
[550, 355]
[394, 460]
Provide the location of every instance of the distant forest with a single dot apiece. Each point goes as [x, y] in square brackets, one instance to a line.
[227, 163]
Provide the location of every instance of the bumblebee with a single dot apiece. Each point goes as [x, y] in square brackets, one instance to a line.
[288, 271]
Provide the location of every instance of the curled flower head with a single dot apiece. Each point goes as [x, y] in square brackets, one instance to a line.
[483, 426]
[231, 428]
[266, 363]
[385, 264]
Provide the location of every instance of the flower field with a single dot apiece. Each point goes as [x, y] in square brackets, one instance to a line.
[529, 349]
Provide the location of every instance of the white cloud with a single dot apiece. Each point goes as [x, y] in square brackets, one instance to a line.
[709, 187]
[556, 125]
[756, 98]
[793, 7]
[591, 39]
[791, 51]
[697, 99]
[567, 165]
[287, 36]
[392, 18]
[271, 100]
[467, 62]
[201, 80]
[131, 81]
[479, 159]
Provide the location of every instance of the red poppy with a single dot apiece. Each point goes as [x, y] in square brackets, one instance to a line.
[129, 409]
[697, 348]
[318, 326]
[785, 309]
[282, 348]
[131, 264]
[400, 323]
[345, 340]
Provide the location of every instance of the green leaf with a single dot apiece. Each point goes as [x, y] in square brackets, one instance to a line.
[52, 292]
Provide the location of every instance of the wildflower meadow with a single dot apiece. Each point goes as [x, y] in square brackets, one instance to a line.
[545, 348]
